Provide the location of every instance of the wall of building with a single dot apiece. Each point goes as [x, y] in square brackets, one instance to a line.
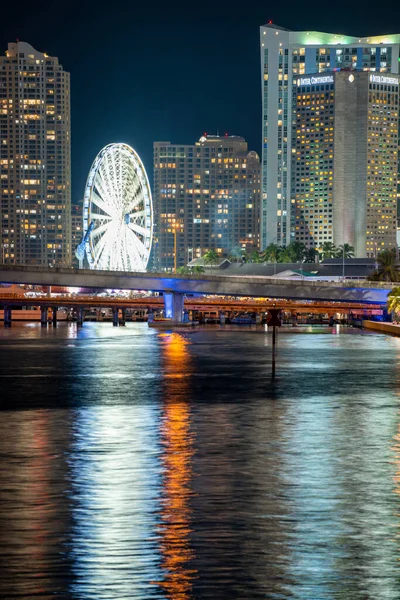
[350, 160]
[35, 158]
[206, 197]
[286, 55]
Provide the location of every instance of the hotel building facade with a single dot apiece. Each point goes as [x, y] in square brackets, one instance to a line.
[206, 197]
[35, 158]
[286, 56]
[344, 168]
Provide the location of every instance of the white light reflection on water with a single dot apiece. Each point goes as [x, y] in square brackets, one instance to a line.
[115, 489]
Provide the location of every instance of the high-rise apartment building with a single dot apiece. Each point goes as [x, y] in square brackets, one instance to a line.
[35, 162]
[286, 56]
[206, 197]
[344, 168]
[76, 232]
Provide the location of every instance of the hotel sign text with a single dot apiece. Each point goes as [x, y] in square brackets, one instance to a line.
[384, 79]
[315, 80]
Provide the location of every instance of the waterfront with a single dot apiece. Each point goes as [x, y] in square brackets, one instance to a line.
[138, 464]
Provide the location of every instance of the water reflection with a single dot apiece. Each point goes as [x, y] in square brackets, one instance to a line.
[177, 443]
[115, 482]
[34, 512]
[171, 467]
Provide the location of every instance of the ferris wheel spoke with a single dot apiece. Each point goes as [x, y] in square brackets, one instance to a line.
[140, 247]
[101, 195]
[135, 200]
[125, 253]
[99, 217]
[107, 192]
[113, 177]
[100, 230]
[138, 229]
[101, 204]
[137, 257]
[137, 213]
[102, 245]
[105, 183]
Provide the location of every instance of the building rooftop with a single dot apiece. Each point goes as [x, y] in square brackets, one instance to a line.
[309, 38]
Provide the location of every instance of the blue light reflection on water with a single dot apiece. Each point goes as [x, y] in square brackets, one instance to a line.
[140, 465]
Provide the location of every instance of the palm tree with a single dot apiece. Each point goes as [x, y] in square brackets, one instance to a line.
[393, 301]
[255, 257]
[293, 253]
[310, 255]
[211, 257]
[346, 250]
[237, 254]
[387, 267]
[271, 253]
[328, 250]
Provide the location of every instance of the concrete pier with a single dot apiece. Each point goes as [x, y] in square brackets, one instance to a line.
[173, 305]
[43, 316]
[79, 316]
[381, 327]
[7, 316]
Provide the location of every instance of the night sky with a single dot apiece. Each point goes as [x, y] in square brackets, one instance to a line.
[147, 71]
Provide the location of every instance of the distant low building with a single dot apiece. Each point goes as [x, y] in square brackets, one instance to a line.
[331, 269]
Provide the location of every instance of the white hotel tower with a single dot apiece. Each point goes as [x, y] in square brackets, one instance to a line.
[286, 55]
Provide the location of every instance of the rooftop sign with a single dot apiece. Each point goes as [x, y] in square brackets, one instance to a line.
[389, 80]
[315, 80]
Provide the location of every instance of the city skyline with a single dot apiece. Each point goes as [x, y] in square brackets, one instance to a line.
[121, 62]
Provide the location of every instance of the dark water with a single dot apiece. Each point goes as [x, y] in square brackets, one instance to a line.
[145, 465]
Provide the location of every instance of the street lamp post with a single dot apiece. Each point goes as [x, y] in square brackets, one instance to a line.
[175, 228]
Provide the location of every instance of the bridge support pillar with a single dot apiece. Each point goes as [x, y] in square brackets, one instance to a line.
[122, 320]
[54, 317]
[173, 305]
[79, 316]
[7, 316]
[43, 316]
[115, 312]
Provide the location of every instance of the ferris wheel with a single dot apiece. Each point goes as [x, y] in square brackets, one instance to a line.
[117, 211]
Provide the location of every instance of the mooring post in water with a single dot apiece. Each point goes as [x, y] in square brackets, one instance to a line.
[274, 321]
[273, 349]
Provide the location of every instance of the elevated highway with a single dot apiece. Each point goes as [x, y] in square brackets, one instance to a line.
[364, 292]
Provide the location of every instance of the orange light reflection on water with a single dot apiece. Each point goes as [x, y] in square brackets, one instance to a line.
[177, 455]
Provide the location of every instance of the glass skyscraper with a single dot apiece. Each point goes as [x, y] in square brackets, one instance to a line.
[286, 56]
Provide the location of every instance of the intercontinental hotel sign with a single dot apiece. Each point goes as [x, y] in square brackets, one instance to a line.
[317, 80]
[384, 79]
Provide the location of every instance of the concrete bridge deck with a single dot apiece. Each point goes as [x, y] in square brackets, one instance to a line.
[365, 292]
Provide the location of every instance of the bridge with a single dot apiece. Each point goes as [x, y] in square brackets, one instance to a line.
[175, 287]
